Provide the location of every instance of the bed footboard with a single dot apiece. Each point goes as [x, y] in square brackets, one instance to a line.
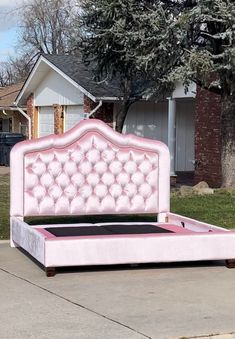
[25, 236]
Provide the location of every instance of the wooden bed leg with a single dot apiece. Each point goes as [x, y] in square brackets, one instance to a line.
[230, 263]
[50, 271]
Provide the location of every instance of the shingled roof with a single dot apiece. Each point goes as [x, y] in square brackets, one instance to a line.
[79, 72]
[8, 94]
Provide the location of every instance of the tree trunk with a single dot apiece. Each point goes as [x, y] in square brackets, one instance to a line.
[228, 141]
[121, 115]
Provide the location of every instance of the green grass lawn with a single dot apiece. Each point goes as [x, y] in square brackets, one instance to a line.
[4, 207]
[218, 209]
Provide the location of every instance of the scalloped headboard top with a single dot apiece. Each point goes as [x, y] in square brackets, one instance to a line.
[89, 170]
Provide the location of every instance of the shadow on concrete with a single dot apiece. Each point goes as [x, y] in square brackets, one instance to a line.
[125, 267]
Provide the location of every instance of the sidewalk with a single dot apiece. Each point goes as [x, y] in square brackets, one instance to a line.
[154, 301]
[220, 336]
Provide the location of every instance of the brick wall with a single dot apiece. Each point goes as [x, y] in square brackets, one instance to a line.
[104, 113]
[207, 138]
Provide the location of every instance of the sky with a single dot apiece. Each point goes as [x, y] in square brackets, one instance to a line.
[8, 28]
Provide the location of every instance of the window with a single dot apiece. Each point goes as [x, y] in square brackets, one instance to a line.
[5, 124]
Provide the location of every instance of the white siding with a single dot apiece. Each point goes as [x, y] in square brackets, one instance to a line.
[46, 121]
[147, 119]
[180, 92]
[185, 127]
[150, 120]
[73, 114]
[54, 89]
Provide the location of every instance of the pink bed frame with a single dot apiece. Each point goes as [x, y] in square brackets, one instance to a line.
[92, 170]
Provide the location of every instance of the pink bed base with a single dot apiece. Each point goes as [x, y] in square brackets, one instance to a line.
[93, 170]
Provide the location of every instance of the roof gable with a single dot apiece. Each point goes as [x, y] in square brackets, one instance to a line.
[73, 67]
[72, 70]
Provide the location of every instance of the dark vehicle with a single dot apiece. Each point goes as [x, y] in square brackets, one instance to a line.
[7, 141]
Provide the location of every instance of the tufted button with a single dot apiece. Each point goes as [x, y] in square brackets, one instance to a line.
[54, 168]
[101, 190]
[130, 167]
[145, 167]
[154, 160]
[137, 178]
[70, 191]
[47, 156]
[62, 205]
[123, 178]
[46, 180]
[123, 157]
[78, 179]
[55, 192]
[46, 206]
[77, 155]
[93, 179]
[151, 202]
[62, 156]
[115, 190]
[137, 157]
[123, 203]
[101, 167]
[70, 168]
[39, 192]
[32, 181]
[108, 179]
[85, 191]
[77, 204]
[145, 190]
[108, 204]
[62, 180]
[92, 204]
[138, 202]
[130, 189]
[39, 168]
[93, 155]
[108, 155]
[85, 167]
[152, 178]
[115, 167]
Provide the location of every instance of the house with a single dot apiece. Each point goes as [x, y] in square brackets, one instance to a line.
[12, 119]
[59, 92]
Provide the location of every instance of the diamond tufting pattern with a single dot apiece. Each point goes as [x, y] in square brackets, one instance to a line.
[91, 176]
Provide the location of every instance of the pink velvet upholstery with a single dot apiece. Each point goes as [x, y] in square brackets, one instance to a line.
[89, 170]
[93, 170]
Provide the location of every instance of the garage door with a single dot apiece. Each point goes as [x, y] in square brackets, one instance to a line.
[73, 115]
[46, 121]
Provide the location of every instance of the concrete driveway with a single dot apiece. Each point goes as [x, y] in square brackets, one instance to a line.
[161, 301]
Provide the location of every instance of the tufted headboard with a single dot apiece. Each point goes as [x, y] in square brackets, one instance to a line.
[89, 170]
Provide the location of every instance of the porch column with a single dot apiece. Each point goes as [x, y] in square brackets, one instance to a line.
[172, 132]
[58, 119]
